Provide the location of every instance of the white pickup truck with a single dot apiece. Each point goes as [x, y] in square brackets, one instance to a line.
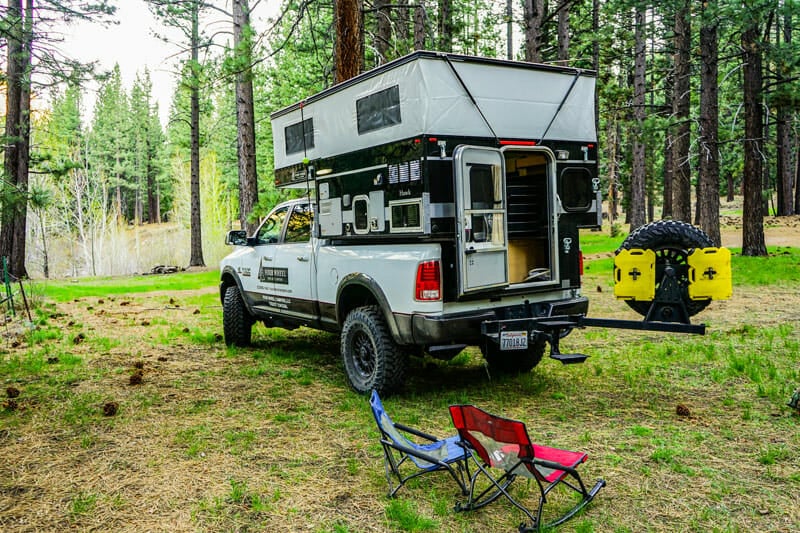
[443, 198]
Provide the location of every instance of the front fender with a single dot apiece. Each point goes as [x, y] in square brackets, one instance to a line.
[228, 277]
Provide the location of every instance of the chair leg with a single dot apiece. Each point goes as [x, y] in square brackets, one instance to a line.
[586, 497]
[498, 486]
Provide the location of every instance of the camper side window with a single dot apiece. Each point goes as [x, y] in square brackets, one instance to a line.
[300, 136]
[378, 110]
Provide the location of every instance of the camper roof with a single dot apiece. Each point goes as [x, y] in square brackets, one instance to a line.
[432, 93]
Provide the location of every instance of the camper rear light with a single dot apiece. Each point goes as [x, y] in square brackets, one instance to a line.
[429, 281]
[580, 262]
[506, 142]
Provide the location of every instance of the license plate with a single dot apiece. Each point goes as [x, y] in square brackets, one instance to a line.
[513, 340]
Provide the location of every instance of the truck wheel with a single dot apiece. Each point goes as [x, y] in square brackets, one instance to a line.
[237, 323]
[671, 240]
[514, 361]
[371, 358]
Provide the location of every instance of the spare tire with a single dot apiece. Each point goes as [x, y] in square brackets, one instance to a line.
[672, 241]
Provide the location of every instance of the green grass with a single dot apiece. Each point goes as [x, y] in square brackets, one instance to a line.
[271, 438]
[62, 291]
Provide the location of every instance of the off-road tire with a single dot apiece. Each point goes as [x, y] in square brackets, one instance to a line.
[372, 360]
[514, 361]
[672, 241]
[237, 323]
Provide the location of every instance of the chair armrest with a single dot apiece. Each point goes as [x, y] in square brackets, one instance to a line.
[554, 466]
[416, 432]
[415, 453]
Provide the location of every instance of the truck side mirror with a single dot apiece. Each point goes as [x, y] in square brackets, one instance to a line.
[237, 237]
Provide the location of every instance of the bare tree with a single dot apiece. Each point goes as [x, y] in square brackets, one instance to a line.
[184, 15]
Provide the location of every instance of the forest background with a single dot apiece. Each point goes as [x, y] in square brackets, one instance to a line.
[696, 101]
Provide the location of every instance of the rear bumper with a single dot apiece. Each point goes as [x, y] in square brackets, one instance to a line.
[425, 330]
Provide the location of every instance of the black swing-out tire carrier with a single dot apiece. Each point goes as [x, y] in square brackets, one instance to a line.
[561, 323]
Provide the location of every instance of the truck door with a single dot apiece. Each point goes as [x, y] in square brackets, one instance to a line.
[481, 218]
[295, 290]
[259, 284]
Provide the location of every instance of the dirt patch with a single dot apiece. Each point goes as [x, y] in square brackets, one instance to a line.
[778, 231]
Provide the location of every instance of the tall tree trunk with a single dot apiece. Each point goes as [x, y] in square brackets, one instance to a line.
[638, 185]
[731, 186]
[669, 144]
[196, 244]
[14, 69]
[152, 208]
[509, 20]
[19, 41]
[785, 170]
[245, 115]
[612, 146]
[797, 184]
[403, 22]
[708, 180]
[753, 242]
[682, 186]
[563, 31]
[348, 49]
[596, 56]
[533, 14]
[419, 25]
[383, 30]
[445, 26]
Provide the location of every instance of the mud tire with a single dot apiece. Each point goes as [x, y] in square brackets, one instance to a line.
[372, 360]
[237, 323]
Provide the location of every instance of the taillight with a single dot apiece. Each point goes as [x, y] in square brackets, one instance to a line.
[429, 281]
[580, 262]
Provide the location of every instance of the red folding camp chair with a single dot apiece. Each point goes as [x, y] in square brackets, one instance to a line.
[504, 444]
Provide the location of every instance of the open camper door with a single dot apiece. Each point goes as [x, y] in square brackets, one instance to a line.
[481, 218]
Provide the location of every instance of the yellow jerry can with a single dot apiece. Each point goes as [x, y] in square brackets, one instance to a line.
[710, 274]
[634, 275]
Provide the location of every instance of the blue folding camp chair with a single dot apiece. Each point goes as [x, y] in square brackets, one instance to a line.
[404, 459]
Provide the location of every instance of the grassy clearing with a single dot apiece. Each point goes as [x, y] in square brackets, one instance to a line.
[270, 438]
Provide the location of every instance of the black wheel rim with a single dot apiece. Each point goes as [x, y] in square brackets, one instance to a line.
[676, 258]
[363, 355]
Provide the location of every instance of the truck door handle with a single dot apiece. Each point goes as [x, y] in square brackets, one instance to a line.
[469, 251]
[265, 258]
[302, 258]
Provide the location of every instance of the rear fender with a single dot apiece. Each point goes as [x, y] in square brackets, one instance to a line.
[358, 290]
